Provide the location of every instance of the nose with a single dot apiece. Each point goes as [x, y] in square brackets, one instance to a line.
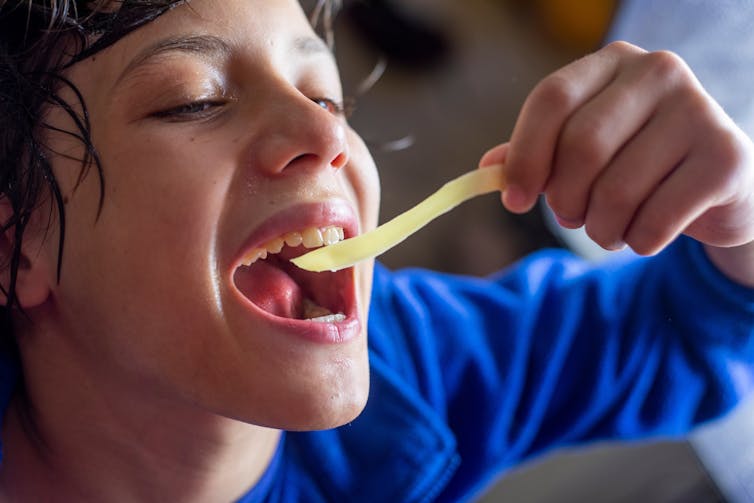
[298, 133]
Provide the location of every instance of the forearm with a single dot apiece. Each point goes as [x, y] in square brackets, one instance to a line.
[736, 262]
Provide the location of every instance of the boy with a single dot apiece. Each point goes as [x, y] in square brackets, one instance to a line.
[166, 350]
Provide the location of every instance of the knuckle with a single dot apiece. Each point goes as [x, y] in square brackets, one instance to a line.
[667, 65]
[621, 47]
[556, 93]
[727, 159]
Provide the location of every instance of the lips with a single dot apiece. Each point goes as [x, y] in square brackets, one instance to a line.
[265, 277]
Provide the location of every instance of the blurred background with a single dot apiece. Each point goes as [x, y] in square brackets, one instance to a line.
[438, 82]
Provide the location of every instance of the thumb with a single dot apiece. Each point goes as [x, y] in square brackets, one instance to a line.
[498, 155]
[495, 155]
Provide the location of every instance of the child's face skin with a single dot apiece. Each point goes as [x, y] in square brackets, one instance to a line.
[212, 147]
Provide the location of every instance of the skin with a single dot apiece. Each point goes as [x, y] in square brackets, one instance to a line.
[187, 387]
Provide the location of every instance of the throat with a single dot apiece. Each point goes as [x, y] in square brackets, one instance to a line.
[280, 288]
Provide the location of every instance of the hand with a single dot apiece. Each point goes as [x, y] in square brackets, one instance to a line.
[628, 144]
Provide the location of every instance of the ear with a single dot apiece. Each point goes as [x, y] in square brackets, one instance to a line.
[33, 280]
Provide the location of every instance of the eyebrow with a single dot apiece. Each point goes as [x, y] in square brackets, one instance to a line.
[208, 46]
[203, 45]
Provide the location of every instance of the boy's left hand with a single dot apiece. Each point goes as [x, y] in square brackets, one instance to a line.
[628, 144]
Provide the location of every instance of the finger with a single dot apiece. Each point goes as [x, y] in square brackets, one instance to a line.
[634, 174]
[686, 194]
[542, 116]
[594, 135]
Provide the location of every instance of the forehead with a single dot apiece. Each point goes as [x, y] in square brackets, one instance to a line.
[239, 14]
[253, 25]
[260, 30]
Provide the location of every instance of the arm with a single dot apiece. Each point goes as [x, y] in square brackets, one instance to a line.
[556, 351]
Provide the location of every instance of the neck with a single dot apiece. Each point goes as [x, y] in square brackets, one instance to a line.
[102, 440]
[130, 468]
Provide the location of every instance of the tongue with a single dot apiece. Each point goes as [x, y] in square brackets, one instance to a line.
[271, 289]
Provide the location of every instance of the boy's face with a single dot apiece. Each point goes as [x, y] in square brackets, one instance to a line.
[217, 135]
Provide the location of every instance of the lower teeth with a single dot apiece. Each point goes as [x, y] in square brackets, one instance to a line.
[331, 318]
[315, 312]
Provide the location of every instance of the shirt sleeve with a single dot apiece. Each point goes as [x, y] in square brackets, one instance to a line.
[558, 351]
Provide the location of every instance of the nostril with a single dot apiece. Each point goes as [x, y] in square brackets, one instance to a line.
[300, 158]
[313, 160]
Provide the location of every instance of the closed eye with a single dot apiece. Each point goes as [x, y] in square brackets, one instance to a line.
[195, 110]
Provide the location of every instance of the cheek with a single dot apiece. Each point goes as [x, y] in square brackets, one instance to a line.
[151, 260]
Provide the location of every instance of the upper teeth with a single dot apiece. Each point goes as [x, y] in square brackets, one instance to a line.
[311, 237]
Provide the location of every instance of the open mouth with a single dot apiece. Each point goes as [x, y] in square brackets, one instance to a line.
[270, 281]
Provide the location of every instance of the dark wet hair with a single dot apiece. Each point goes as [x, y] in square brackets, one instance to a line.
[39, 39]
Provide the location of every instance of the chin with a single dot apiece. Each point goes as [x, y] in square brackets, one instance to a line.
[314, 401]
[326, 418]
[323, 411]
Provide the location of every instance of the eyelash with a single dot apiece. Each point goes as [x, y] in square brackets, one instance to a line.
[202, 109]
[193, 110]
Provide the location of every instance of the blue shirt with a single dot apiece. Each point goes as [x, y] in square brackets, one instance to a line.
[471, 376]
